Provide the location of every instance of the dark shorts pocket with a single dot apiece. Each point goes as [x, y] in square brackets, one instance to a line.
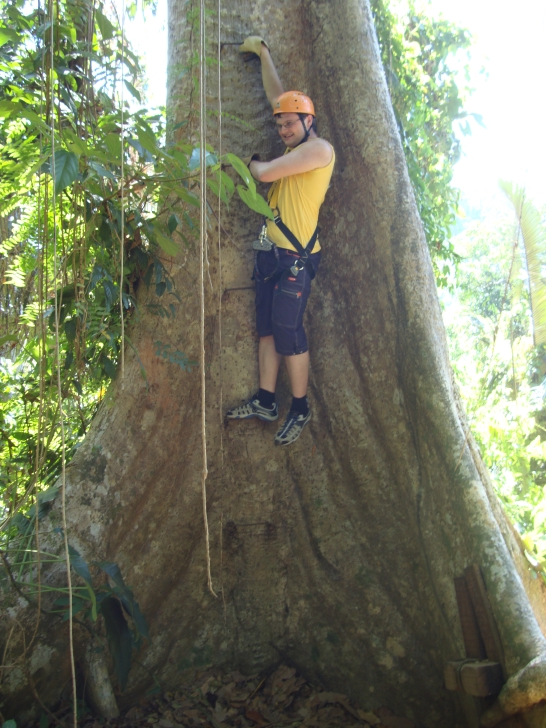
[289, 299]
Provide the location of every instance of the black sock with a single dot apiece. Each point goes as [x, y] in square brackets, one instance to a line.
[267, 399]
[300, 405]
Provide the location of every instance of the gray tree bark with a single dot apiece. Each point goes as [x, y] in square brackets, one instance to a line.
[338, 553]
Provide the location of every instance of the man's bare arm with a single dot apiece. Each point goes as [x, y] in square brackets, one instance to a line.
[314, 154]
[270, 78]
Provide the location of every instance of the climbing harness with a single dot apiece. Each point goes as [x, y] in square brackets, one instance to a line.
[304, 253]
[264, 245]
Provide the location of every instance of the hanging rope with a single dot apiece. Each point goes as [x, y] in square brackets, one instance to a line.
[220, 293]
[220, 286]
[202, 245]
[122, 198]
[58, 367]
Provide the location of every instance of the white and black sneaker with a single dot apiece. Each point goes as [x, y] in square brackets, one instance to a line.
[253, 408]
[292, 427]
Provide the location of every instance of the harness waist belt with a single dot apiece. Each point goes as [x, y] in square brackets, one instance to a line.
[302, 252]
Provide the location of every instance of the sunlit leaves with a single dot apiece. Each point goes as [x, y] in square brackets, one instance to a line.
[241, 169]
[417, 53]
[255, 201]
[107, 29]
[82, 180]
[501, 374]
[533, 235]
[249, 194]
[133, 91]
[195, 159]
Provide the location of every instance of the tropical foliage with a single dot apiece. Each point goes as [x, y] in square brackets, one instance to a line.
[501, 372]
[93, 207]
[533, 238]
[420, 56]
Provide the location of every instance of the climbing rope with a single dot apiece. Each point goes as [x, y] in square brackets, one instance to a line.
[122, 197]
[58, 367]
[219, 51]
[202, 246]
[220, 292]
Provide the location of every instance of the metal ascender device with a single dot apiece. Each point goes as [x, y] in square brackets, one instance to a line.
[263, 242]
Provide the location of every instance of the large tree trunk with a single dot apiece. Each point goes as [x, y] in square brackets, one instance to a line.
[338, 553]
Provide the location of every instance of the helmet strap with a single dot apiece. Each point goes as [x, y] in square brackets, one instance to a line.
[305, 129]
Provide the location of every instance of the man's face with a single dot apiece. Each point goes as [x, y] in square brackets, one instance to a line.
[291, 129]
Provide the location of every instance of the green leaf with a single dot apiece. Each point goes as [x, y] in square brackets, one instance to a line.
[186, 196]
[109, 367]
[217, 190]
[9, 724]
[21, 522]
[166, 244]
[65, 169]
[119, 638]
[195, 159]
[78, 605]
[102, 171]
[148, 140]
[70, 329]
[20, 435]
[172, 225]
[74, 143]
[126, 596]
[110, 292]
[255, 201]
[36, 120]
[107, 30]
[144, 153]
[227, 182]
[112, 570]
[43, 499]
[8, 338]
[6, 34]
[133, 91]
[7, 108]
[79, 565]
[242, 170]
[113, 144]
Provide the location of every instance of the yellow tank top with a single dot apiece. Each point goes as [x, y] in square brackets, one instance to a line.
[298, 198]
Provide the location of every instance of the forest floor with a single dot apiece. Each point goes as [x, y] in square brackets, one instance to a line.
[282, 698]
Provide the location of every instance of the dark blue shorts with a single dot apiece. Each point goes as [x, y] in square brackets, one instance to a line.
[280, 304]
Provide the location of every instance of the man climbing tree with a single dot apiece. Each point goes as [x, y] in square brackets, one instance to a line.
[288, 251]
[338, 554]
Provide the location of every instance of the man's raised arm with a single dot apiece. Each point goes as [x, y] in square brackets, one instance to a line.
[270, 78]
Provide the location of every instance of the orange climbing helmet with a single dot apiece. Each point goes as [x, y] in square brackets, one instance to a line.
[293, 102]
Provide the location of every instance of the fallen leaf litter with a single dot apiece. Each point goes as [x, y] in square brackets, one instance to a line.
[281, 699]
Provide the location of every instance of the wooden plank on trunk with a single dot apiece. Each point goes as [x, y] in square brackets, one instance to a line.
[484, 614]
[480, 678]
[473, 642]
